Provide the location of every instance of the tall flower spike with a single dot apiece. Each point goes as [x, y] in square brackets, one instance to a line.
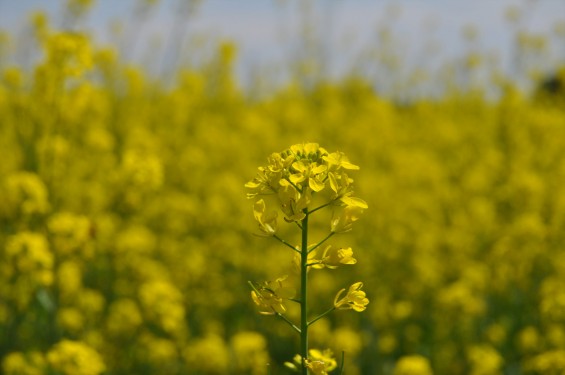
[296, 178]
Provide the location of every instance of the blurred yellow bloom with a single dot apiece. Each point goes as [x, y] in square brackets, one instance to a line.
[271, 295]
[162, 304]
[124, 317]
[413, 365]
[355, 298]
[18, 363]
[547, 362]
[208, 355]
[70, 320]
[24, 193]
[484, 360]
[267, 220]
[69, 52]
[249, 353]
[75, 358]
[344, 217]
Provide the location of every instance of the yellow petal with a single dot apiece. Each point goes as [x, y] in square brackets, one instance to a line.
[319, 169]
[333, 182]
[299, 166]
[259, 209]
[336, 299]
[296, 178]
[252, 184]
[348, 165]
[316, 185]
[355, 202]
[356, 286]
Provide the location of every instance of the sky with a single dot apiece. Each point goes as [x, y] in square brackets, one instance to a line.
[270, 33]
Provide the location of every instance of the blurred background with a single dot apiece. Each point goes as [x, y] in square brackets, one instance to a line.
[129, 128]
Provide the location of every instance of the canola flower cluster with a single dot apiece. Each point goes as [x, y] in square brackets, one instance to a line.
[295, 180]
[126, 246]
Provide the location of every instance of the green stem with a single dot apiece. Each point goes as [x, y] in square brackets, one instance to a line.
[304, 294]
[285, 243]
[320, 207]
[321, 315]
[288, 321]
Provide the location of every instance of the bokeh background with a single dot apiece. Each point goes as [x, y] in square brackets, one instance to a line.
[127, 132]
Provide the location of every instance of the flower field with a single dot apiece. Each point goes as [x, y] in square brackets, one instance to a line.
[127, 241]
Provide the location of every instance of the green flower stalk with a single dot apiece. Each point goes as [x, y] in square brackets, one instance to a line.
[297, 183]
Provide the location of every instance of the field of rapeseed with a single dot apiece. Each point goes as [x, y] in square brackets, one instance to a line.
[127, 241]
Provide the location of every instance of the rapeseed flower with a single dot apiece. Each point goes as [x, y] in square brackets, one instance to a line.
[271, 295]
[355, 298]
[318, 362]
[343, 218]
[267, 220]
[333, 257]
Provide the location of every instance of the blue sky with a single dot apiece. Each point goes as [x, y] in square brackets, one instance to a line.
[269, 32]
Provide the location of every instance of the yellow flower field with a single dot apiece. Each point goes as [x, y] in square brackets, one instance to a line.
[127, 241]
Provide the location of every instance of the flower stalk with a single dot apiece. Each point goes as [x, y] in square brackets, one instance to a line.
[289, 183]
[304, 293]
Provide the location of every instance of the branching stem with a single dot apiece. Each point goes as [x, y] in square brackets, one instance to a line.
[288, 321]
[321, 315]
[321, 242]
[286, 243]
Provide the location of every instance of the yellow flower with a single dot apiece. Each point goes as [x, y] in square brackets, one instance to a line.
[321, 362]
[318, 362]
[338, 160]
[292, 202]
[306, 151]
[317, 367]
[354, 299]
[267, 221]
[313, 172]
[262, 184]
[344, 217]
[270, 296]
[334, 257]
[331, 258]
[298, 172]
